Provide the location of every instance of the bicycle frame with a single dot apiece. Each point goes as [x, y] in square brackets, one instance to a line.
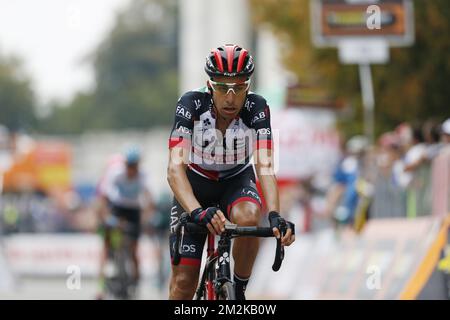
[208, 276]
[219, 255]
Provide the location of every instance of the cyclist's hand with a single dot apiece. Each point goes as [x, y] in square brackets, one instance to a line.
[213, 218]
[289, 237]
[276, 221]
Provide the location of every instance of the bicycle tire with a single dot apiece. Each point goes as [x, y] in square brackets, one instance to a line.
[226, 292]
[120, 285]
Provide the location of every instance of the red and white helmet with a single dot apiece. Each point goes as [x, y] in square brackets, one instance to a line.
[229, 60]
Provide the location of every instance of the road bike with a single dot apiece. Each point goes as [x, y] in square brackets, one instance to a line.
[119, 280]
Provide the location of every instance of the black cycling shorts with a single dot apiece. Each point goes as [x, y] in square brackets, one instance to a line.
[225, 194]
[130, 215]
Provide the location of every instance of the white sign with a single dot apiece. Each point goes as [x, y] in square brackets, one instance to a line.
[308, 142]
[57, 254]
[375, 51]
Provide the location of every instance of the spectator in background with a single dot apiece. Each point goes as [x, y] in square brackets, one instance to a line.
[126, 194]
[432, 135]
[389, 198]
[417, 152]
[342, 198]
[417, 176]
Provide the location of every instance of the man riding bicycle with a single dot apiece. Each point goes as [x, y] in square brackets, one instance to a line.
[123, 193]
[218, 130]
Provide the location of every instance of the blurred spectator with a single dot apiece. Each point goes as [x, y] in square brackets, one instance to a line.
[343, 196]
[418, 170]
[405, 135]
[389, 198]
[414, 155]
[432, 135]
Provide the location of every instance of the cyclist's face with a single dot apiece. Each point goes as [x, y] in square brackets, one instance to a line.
[132, 170]
[229, 99]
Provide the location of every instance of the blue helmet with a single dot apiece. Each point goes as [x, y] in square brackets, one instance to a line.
[132, 156]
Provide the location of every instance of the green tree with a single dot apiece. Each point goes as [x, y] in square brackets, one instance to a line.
[135, 71]
[136, 66]
[412, 86]
[16, 97]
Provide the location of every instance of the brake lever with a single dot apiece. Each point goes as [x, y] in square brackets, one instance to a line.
[279, 254]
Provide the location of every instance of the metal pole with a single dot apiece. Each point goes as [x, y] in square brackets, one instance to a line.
[365, 77]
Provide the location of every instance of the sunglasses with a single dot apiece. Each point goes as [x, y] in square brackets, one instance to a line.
[224, 88]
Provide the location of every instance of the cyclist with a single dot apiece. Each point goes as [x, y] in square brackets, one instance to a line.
[217, 131]
[124, 192]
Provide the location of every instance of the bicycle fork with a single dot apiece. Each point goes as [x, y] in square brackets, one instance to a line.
[217, 267]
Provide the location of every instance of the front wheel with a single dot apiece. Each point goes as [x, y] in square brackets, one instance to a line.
[226, 292]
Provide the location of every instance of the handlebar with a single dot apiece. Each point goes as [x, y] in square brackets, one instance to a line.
[231, 230]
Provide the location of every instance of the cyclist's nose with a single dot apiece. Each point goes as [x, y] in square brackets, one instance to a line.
[230, 96]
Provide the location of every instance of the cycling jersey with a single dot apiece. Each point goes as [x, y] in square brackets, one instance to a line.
[213, 155]
[122, 191]
[221, 172]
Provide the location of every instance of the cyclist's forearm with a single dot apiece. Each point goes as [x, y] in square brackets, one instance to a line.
[101, 208]
[270, 191]
[181, 188]
[264, 166]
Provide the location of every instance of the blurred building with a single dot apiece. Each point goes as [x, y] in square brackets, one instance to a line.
[207, 24]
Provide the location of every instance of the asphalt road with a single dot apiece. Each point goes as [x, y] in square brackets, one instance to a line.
[57, 289]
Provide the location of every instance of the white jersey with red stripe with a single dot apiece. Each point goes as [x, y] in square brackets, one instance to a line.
[114, 163]
[212, 154]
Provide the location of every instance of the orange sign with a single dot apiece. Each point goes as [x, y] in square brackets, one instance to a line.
[45, 167]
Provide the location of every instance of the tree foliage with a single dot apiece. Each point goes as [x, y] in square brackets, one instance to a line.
[135, 71]
[16, 96]
[413, 85]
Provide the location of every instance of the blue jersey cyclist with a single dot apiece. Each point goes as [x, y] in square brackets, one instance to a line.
[221, 136]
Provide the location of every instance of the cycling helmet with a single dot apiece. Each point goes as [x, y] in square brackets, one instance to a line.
[229, 60]
[132, 155]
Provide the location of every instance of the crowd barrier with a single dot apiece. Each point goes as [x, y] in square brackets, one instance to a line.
[386, 261]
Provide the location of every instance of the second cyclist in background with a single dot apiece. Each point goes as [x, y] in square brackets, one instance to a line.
[124, 195]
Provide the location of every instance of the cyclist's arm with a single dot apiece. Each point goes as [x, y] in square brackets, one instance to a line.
[264, 166]
[263, 159]
[177, 178]
[266, 175]
[179, 149]
[178, 181]
[101, 208]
